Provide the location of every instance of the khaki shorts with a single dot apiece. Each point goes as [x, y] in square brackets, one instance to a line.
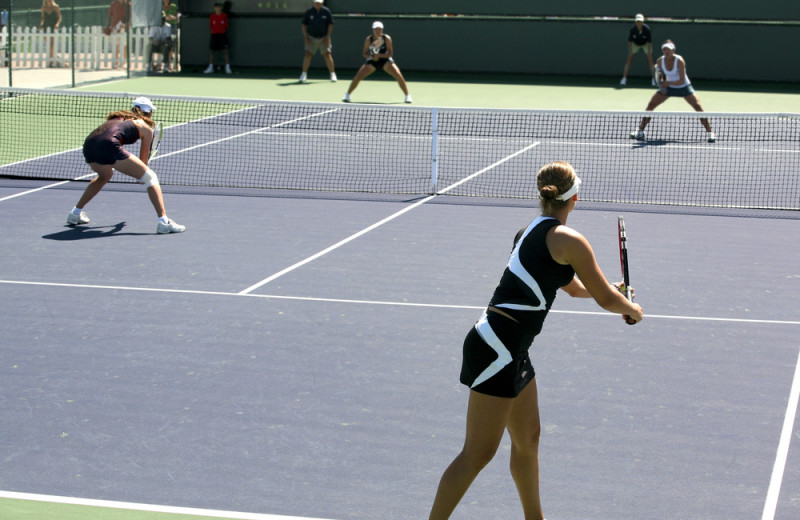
[636, 48]
[318, 45]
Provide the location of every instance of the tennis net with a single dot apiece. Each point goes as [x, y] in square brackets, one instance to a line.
[232, 143]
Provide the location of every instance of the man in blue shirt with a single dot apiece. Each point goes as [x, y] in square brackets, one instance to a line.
[317, 29]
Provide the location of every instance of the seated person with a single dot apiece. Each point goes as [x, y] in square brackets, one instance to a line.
[160, 41]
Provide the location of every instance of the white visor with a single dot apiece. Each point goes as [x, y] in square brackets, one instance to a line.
[668, 46]
[572, 191]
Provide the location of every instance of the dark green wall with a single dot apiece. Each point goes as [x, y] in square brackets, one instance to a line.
[714, 9]
[712, 51]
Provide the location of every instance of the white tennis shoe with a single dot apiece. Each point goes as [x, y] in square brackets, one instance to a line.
[712, 138]
[209, 69]
[623, 81]
[408, 98]
[303, 77]
[346, 97]
[77, 220]
[170, 227]
[638, 135]
[334, 79]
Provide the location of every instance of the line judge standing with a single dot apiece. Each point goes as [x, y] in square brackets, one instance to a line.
[317, 29]
[640, 39]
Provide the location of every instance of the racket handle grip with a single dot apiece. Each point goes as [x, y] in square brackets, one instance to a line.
[629, 320]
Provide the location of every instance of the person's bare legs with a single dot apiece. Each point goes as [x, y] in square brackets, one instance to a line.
[104, 174]
[524, 427]
[328, 61]
[656, 100]
[394, 72]
[695, 103]
[362, 73]
[628, 65]
[133, 167]
[487, 417]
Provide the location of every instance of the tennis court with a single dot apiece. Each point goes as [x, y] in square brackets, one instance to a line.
[296, 353]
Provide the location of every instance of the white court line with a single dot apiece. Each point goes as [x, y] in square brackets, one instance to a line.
[88, 502]
[161, 156]
[257, 130]
[776, 480]
[334, 246]
[380, 223]
[380, 302]
[20, 194]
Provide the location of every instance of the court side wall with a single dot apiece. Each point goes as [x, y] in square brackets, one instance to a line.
[713, 51]
[690, 9]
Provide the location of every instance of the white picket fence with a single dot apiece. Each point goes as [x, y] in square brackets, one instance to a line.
[30, 48]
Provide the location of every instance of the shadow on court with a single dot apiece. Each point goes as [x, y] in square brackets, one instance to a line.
[83, 232]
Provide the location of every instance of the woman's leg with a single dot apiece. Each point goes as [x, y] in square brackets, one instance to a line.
[362, 73]
[695, 103]
[524, 427]
[487, 417]
[134, 167]
[104, 173]
[394, 72]
[656, 100]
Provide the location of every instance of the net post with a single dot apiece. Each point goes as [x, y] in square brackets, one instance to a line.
[434, 148]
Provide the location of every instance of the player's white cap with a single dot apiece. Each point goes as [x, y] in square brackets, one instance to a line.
[318, 2]
[639, 18]
[144, 104]
[376, 25]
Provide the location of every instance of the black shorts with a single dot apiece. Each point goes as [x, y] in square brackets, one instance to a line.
[104, 151]
[378, 64]
[218, 42]
[508, 382]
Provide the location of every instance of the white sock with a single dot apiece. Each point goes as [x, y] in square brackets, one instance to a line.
[163, 220]
[76, 210]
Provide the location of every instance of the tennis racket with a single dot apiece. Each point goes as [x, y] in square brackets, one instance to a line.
[623, 263]
[658, 76]
[375, 47]
[158, 133]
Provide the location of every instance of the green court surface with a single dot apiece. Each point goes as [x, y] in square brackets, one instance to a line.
[529, 92]
[31, 510]
[34, 507]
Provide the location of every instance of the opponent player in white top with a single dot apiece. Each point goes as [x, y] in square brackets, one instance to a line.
[671, 70]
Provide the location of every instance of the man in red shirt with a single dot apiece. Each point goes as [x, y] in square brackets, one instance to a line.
[219, 38]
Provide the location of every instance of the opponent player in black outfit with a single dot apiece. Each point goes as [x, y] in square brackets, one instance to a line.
[547, 255]
[378, 50]
[104, 152]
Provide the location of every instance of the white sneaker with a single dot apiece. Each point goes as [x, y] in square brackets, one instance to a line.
[170, 227]
[346, 97]
[712, 138]
[77, 220]
[408, 98]
[638, 135]
[303, 77]
[228, 69]
[209, 69]
[333, 77]
[623, 81]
